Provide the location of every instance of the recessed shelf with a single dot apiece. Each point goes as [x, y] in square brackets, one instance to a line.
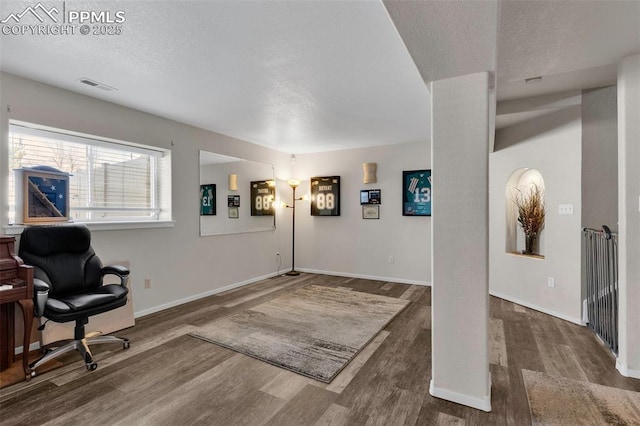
[533, 256]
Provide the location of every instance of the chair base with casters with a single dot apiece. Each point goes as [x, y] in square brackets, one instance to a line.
[79, 343]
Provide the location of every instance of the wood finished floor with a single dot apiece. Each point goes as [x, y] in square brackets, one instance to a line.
[169, 378]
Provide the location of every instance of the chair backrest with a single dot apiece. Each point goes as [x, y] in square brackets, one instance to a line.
[62, 257]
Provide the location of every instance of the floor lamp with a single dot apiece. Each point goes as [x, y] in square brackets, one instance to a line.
[293, 184]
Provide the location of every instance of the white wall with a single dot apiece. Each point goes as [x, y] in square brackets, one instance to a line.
[629, 216]
[600, 158]
[460, 260]
[551, 144]
[350, 245]
[183, 265]
[179, 262]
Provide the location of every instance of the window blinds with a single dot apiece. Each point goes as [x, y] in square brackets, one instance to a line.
[110, 181]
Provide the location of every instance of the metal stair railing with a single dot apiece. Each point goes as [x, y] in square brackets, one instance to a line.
[600, 272]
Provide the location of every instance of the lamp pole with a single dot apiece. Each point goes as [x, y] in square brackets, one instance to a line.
[294, 184]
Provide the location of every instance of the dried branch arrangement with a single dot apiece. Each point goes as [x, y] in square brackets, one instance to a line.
[531, 213]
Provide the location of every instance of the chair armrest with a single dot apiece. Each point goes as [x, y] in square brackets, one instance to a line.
[39, 285]
[41, 296]
[118, 270]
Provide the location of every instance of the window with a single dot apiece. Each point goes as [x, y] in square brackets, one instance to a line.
[111, 181]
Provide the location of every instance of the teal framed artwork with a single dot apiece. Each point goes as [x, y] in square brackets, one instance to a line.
[416, 193]
[208, 199]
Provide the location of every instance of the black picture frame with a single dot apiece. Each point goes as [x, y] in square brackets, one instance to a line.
[233, 201]
[208, 199]
[325, 196]
[370, 196]
[263, 195]
[416, 192]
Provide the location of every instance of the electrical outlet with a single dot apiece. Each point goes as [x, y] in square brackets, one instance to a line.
[565, 209]
[147, 283]
[391, 259]
[551, 282]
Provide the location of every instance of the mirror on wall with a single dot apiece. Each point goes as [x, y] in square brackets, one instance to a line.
[236, 195]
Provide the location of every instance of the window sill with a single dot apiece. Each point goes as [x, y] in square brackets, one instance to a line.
[101, 226]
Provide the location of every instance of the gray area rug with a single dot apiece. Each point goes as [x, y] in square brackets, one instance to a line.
[314, 331]
[556, 400]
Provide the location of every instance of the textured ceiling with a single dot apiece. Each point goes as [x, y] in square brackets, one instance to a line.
[294, 76]
[573, 44]
[309, 76]
[447, 38]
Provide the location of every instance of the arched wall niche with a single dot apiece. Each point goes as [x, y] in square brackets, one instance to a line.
[520, 182]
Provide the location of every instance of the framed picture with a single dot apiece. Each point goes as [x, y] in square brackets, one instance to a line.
[416, 193]
[371, 211]
[233, 200]
[325, 196]
[233, 212]
[370, 196]
[208, 199]
[263, 195]
[45, 195]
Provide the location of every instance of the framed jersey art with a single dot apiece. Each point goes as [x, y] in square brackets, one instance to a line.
[208, 199]
[416, 193]
[263, 194]
[325, 196]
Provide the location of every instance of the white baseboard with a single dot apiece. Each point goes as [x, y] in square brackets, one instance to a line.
[627, 372]
[365, 277]
[32, 347]
[178, 302]
[538, 308]
[483, 404]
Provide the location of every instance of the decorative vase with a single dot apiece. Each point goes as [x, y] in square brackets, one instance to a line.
[530, 244]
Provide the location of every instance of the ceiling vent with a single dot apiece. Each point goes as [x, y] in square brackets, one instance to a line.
[96, 84]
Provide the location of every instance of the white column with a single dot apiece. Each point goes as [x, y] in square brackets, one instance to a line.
[628, 362]
[460, 265]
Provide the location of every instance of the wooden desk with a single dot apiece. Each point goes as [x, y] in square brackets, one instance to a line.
[19, 277]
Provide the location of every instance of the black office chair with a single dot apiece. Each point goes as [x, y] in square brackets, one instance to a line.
[68, 286]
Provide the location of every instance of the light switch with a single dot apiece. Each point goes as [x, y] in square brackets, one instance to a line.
[565, 209]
